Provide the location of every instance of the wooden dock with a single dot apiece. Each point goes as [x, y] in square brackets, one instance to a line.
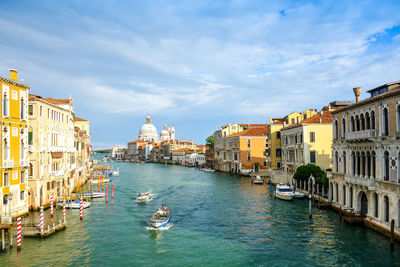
[32, 230]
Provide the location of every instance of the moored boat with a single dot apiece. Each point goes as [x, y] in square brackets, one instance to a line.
[257, 180]
[105, 180]
[284, 192]
[143, 197]
[161, 217]
[74, 204]
[299, 195]
[116, 173]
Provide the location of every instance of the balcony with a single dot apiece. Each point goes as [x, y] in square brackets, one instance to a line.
[24, 162]
[58, 173]
[369, 183]
[8, 163]
[361, 135]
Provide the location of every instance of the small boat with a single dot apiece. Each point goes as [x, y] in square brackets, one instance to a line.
[257, 180]
[208, 170]
[161, 217]
[284, 192]
[107, 172]
[98, 194]
[115, 173]
[105, 180]
[299, 195]
[75, 204]
[143, 197]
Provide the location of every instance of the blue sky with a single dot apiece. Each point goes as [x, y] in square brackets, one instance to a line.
[197, 64]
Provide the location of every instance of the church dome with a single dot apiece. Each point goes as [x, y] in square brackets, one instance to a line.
[148, 132]
[164, 131]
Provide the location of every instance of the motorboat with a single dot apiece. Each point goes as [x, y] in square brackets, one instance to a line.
[257, 180]
[115, 173]
[143, 197]
[161, 217]
[208, 170]
[284, 192]
[74, 204]
[104, 180]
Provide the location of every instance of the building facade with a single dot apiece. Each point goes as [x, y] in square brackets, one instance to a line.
[366, 157]
[14, 146]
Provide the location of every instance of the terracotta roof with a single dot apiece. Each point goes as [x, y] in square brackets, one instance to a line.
[79, 119]
[323, 117]
[138, 141]
[58, 101]
[76, 129]
[253, 124]
[183, 149]
[253, 131]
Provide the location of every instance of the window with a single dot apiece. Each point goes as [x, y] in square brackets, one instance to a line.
[376, 202]
[367, 121]
[224, 134]
[22, 108]
[41, 111]
[248, 156]
[248, 143]
[30, 169]
[343, 127]
[386, 166]
[265, 164]
[357, 123]
[362, 122]
[278, 152]
[312, 156]
[48, 113]
[335, 130]
[22, 177]
[337, 161]
[22, 195]
[30, 110]
[353, 164]
[386, 208]
[293, 120]
[344, 162]
[278, 164]
[48, 186]
[6, 179]
[5, 199]
[372, 120]
[385, 121]
[312, 137]
[278, 135]
[30, 138]
[352, 127]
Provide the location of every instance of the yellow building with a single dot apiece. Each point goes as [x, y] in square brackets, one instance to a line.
[14, 146]
[51, 145]
[307, 142]
[296, 117]
[274, 150]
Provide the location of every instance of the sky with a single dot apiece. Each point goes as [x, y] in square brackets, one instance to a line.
[197, 64]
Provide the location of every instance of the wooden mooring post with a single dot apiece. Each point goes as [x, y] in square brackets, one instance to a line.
[392, 235]
[3, 240]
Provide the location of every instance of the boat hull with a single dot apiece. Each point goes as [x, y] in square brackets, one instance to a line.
[159, 223]
[284, 197]
[75, 205]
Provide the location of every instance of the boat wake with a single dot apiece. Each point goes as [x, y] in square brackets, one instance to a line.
[164, 228]
[153, 196]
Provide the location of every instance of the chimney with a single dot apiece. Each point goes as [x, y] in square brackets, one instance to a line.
[14, 74]
[357, 93]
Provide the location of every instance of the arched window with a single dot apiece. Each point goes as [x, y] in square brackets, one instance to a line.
[344, 195]
[337, 192]
[358, 164]
[376, 205]
[385, 121]
[362, 122]
[386, 208]
[373, 159]
[343, 127]
[335, 130]
[386, 166]
[357, 123]
[5, 105]
[351, 196]
[398, 118]
[344, 162]
[30, 169]
[353, 164]
[367, 121]
[368, 164]
[362, 164]
[22, 109]
[352, 124]
[372, 120]
[6, 149]
[337, 161]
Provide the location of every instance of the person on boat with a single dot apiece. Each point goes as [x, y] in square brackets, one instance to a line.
[165, 208]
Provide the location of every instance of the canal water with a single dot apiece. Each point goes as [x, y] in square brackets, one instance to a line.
[217, 220]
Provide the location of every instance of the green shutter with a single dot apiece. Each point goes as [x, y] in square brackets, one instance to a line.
[312, 156]
[30, 138]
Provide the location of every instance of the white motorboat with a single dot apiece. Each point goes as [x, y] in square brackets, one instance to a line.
[105, 180]
[257, 180]
[284, 192]
[98, 194]
[208, 170]
[143, 197]
[116, 173]
[74, 204]
[161, 217]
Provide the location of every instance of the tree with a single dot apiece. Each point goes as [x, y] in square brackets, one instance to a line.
[304, 172]
[210, 142]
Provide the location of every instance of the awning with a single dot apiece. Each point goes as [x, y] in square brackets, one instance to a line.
[56, 154]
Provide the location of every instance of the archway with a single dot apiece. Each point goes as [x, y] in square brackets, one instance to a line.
[363, 203]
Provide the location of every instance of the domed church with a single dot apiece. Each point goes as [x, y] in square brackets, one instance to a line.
[148, 132]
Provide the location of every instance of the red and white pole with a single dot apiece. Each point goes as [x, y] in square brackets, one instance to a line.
[64, 211]
[41, 220]
[106, 193]
[51, 206]
[112, 190]
[81, 209]
[19, 231]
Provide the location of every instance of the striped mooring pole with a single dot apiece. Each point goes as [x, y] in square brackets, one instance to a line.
[51, 206]
[106, 193]
[112, 190]
[41, 220]
[19, 231]
[64, 211]
[81, 209]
